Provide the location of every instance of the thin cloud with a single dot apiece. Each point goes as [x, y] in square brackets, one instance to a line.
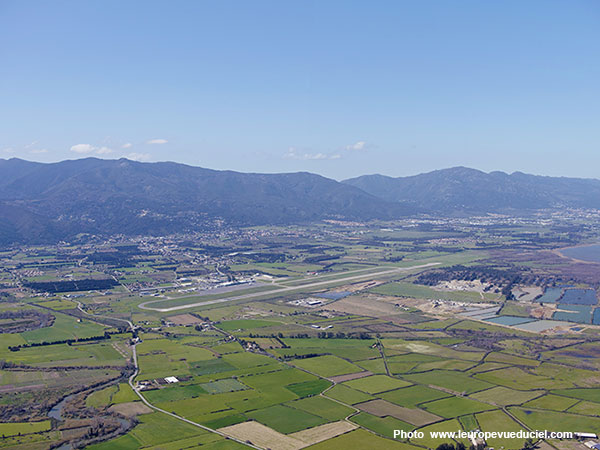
[357, 146]
[38, 151]
[89, 148]
[127, 145]
[138, 156]
[82, 148]
[157, 141]
[293, 153]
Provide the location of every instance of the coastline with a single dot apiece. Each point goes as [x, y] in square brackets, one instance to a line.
[559, 252]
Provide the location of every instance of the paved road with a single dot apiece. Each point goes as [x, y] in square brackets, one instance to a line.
[283, 289]
[143, 399]
[183, 419]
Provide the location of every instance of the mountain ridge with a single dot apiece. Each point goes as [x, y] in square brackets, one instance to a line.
[46, 202]
[99, 196]
[466, 190]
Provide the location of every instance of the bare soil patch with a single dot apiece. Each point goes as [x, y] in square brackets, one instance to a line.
[130, 409]
[262, 436]
[184, 319]
[368, 305]
[323, 432]
[414, 416]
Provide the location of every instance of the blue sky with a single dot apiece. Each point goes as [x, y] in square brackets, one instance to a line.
[340, 88]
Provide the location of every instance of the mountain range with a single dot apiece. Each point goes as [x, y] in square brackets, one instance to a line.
[47, 202]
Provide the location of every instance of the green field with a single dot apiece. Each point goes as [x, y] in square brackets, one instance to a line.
[456, 381]
[517, 378]
[376, 384]
[307, 388]
[322, 407]
[593, 395]
[285, 419]
[327, 366]
[384, 426]
[348, 395]
[156, 429]
[403, 289]
[499, 421]
[504, 396]
[221, 386]
[412, 396]
[555, 421]
[455, 406]
[16, 428]
[551, 402]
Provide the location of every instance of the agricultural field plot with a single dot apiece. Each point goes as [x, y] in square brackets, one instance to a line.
[322, 407]
[14, 429]
[221, 386]
[432, 443]
[285, 419]
[327, 366]
[263, 436]
[414, 416]
[58, 305]
[555, 421]
[101, 398]
[413, 396]
[65, 327]
[355, 376]
[210, 366]
[173, 393]
[455, 406]
[517, 378]
[352, 349]
[591, 394]
[499, 421]
[348, 395]
[585, 408]
[551, 402]
[383, 426]
[431, 349]
[308, 388]
[404, 289]
[246, 324]
[157, 429]
[361, 439]
[322, 433]
[88, 354]
[506, 358]
[504, 396]
[376, 384]
[166, 357]
[131, 409]
[454, 381]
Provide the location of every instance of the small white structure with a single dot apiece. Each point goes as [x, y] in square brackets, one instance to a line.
[171, 380]
[585, 435]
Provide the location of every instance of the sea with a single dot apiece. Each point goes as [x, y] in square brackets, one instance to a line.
[585, 252]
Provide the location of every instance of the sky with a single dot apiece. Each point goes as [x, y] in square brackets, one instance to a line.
[339, 88]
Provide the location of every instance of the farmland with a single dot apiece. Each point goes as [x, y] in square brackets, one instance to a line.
[325, 345]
